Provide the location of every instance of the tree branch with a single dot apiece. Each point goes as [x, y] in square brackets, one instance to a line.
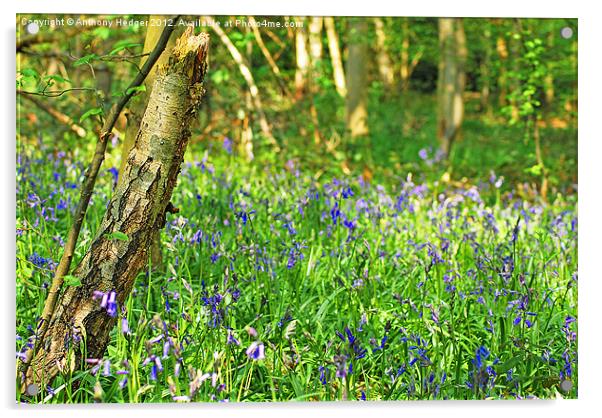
[56, 114]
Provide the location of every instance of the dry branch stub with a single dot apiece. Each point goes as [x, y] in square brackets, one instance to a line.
[137, 209]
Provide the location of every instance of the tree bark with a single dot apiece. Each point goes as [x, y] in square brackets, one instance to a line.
[302, 61]
[137, 209]
[335, 56]
[451, 81]
[357, 72]
[138, 104]
[385, 68]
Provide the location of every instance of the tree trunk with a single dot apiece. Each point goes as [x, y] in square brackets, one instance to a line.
[451, 81]
[357, 72]
[335, 56]
[549, 77]
[514, 80]
[302, 61]
[138, 104]
[385, 67]
[245, 70]
[502, 50]
[404, 70]
[315, 53]
[137, 209]
[486, 75]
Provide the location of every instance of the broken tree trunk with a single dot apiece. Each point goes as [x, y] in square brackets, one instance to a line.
[138, 104]
[137, 209]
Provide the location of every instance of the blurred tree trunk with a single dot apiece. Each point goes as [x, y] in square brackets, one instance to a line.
[486, 75]
[245, 71]
[268, 56]
[451, 81]
[315, 53]
[302, 61]
[138, 105]
[502, 50]
[407, 65]
[385, 68]
[246, 138]
[549, 77]
[357, 73]
[514, 80]
[404, 70]
[315, 42]
[335, 56]
[135, 212]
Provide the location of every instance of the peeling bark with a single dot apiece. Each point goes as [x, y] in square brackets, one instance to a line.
[136, 209]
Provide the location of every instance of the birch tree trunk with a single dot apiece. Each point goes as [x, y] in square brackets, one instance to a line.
[137, 209]
[315, 53]
[302, 61]
[451, 81]
[404, 70]
[357, 72]
[335, 56]
[385, 68]
[138, 104]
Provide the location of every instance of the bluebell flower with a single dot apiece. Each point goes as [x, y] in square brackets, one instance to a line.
[227, 145]
[256, 351]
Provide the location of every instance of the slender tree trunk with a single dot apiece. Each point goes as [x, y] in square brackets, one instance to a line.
[451, 81]
[245, 70]
[246, 137]
[502, 50]
[514, 81]
[302, 61]
[404, 70]
[315, 53]
[385, 68]
[335, 56]
[56, 114]
[357, 72]
[137, 209]
[315, 42]
[486, 75]
[549, 77]
[268, 56]
[137, 106]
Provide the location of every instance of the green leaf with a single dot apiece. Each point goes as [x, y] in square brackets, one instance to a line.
[135, 89]
[118, 235]
[26, 271]
[86, 59]
[30, 72]
[72, 281]
[120, 46]
[57, 78]
[91, 112]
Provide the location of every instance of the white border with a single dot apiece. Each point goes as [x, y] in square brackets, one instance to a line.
[590, 153]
